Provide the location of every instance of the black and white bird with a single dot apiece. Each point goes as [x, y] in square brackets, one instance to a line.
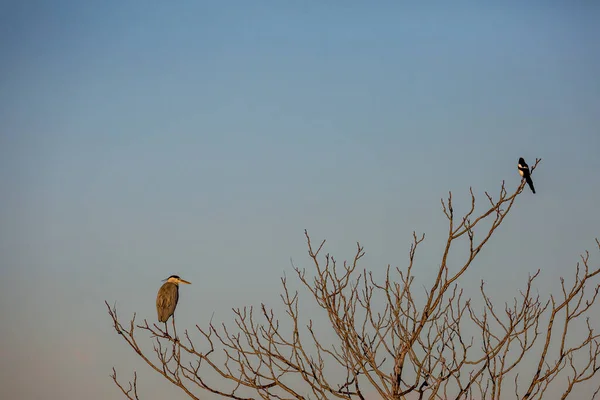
[525, 173]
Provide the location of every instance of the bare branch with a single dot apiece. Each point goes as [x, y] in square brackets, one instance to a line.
[387, 338]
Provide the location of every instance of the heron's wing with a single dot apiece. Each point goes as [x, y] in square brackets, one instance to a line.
[166, 301]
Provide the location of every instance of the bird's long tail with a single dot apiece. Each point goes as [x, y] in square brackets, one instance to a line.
[530, 183]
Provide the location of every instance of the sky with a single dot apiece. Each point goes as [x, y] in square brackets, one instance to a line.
[143, 139]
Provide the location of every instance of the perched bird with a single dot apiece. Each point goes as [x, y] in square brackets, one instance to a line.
[167, 297]
[524, 172]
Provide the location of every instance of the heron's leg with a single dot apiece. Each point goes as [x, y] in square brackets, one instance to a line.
[174, 329]
[166, 328]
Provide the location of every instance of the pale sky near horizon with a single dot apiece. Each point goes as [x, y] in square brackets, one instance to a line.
[144, 139]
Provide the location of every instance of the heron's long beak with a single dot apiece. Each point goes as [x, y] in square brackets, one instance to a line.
[184, 281]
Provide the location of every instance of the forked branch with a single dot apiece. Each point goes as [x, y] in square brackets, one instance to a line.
[384, 336]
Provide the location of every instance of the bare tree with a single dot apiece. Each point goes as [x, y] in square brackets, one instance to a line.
[390, 341]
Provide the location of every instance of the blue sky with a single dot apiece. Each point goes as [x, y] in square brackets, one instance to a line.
[141, 139]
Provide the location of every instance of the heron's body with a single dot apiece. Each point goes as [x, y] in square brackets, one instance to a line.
[166, 301]
[167, 298]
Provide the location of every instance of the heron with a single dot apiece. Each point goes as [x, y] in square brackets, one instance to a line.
[166, 300]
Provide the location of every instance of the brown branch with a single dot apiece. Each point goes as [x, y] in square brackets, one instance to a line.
[385, 337]
[131, 391]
